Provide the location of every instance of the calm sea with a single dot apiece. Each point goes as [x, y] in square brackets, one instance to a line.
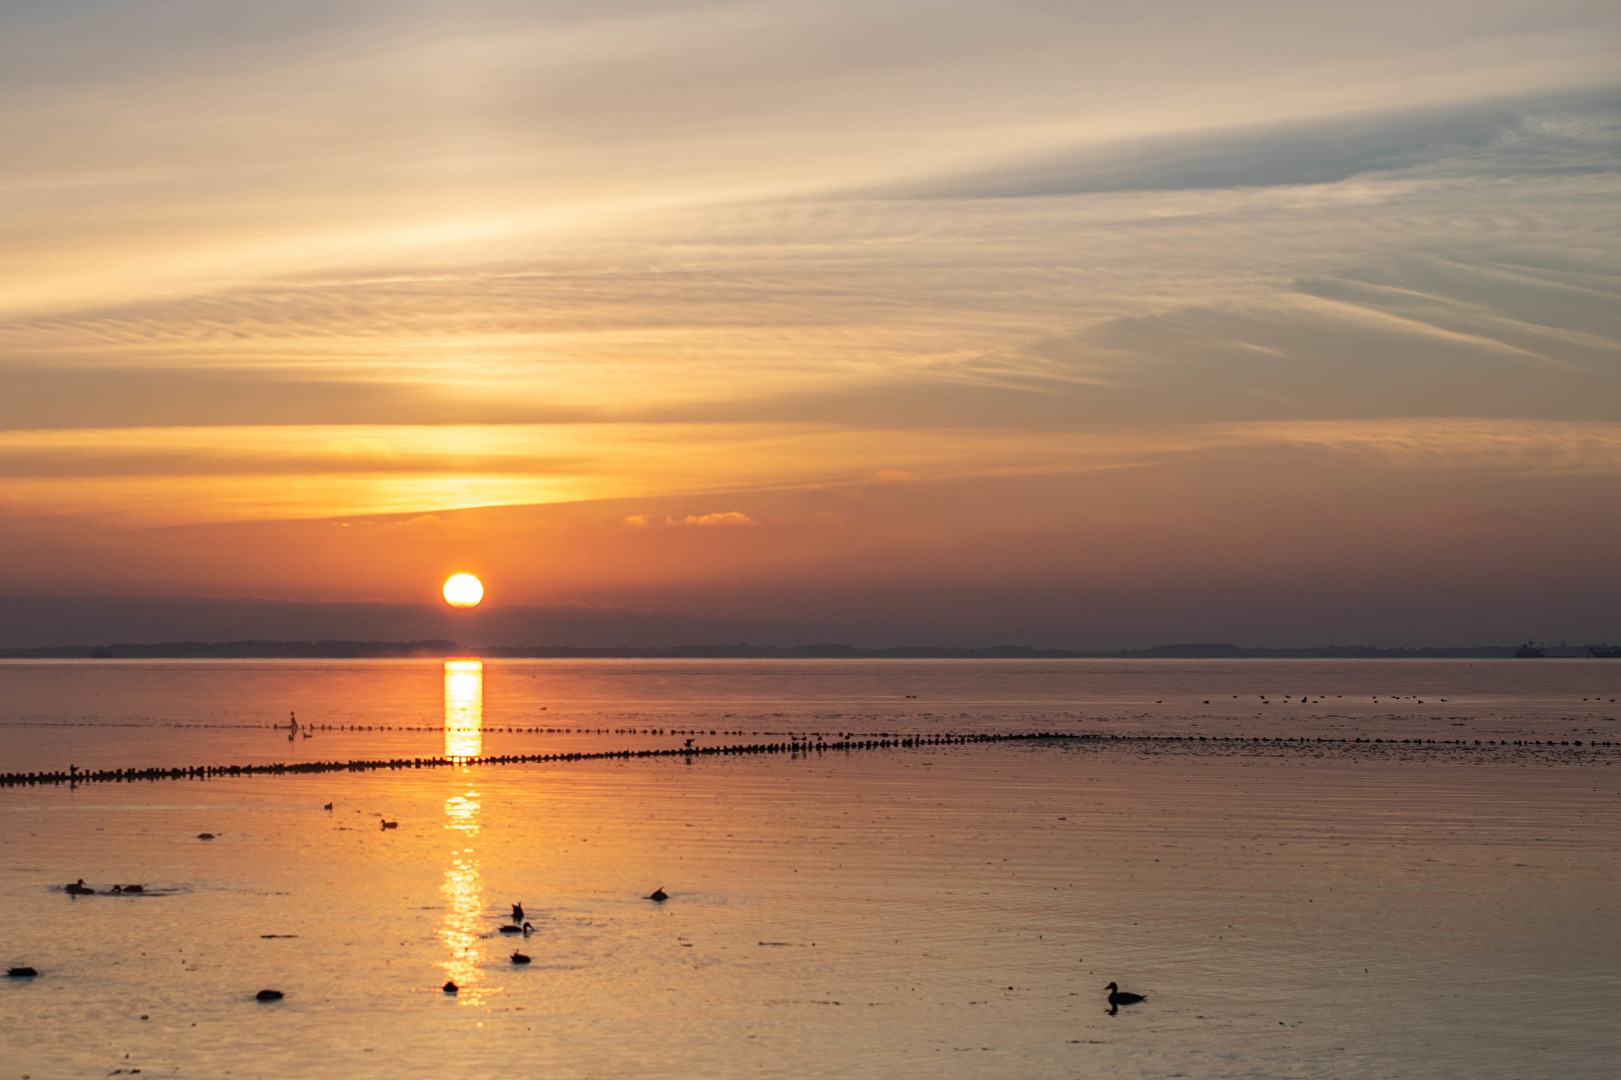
[1289, 909]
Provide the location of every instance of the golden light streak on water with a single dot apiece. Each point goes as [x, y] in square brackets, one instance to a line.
[462, 811]
[464, 709]
[463, 889]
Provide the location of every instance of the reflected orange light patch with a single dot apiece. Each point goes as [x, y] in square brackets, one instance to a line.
[462, 813]
[464, 710]
[462, 930]
[463, 888]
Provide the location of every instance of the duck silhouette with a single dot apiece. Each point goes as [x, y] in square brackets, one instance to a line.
[519, 958]
[517, 913]
[658, 895]
[526, 929]
[79, 888]
[450, 987]
[1119, 997]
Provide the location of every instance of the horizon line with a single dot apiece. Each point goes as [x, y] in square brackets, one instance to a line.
[341, 649]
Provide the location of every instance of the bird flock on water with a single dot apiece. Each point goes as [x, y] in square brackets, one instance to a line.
[519, 924]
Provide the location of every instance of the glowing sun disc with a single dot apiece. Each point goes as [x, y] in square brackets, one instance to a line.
[463, 590]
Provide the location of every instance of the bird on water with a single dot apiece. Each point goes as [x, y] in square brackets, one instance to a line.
[450, 987]
[517, 913]
[268, 995]
[79, 888]
[526, 929]
[658, 895]
[519, 958]
[1118, 996]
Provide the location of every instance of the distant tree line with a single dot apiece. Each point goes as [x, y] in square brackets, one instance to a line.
[362, 650]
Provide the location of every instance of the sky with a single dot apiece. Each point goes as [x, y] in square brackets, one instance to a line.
[1071, 324]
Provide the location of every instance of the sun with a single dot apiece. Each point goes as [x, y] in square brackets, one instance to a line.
[463, 590]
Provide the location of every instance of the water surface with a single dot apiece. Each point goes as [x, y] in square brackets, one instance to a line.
[946, 911]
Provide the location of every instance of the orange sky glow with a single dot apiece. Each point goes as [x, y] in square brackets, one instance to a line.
[890, 323]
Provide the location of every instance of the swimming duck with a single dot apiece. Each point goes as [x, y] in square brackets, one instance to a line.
[21, 973]
[519, 958]
[79, 888]
[658, 895]
[517, 913]
[1118, 996]
[526, 929]
[391, 824]
[268, 995]
[450, 987]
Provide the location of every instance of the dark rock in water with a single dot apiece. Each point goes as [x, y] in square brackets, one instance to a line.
[22, 973]
[658, 894]
[269, 995]
[450, 987]
[519, 958]
[205, 836]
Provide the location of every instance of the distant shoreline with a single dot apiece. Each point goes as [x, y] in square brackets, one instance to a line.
[372, 650]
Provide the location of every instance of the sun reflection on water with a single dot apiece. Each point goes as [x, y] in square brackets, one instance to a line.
[463, 888]
[464, 709]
